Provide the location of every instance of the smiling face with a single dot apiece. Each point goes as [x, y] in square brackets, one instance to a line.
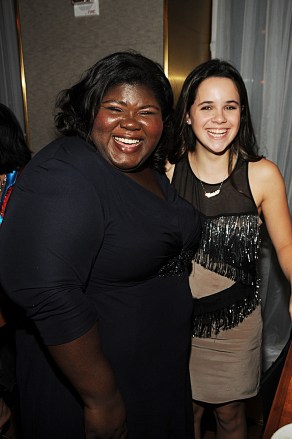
[127, 126]
[215, 114]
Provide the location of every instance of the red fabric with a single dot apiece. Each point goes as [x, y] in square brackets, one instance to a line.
[5, 201]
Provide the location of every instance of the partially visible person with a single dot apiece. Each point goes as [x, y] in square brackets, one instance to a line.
[14, 155]
[101, 244]
[218, 169]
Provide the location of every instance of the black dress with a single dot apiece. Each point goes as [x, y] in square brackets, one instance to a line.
[82, 242]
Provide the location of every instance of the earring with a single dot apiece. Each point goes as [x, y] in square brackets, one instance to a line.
[188, 122]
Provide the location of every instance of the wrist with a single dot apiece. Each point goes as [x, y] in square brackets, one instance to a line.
[106, 399]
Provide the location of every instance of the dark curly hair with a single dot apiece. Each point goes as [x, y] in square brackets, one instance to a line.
[14, 152]
[244, 145]
[77, 106]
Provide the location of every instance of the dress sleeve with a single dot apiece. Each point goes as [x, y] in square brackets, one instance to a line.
[49, 240]
[190, 218]
[191, 226]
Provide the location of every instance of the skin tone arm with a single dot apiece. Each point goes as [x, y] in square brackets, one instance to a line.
[84, 364]
[269, 191]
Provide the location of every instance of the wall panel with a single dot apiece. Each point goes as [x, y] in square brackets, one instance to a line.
[57, 48]
[188, 36]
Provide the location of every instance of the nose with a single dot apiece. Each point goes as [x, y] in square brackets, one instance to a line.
[130, 122]
[219, 116]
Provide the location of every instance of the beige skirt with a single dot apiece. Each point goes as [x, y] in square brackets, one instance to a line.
[227, 366]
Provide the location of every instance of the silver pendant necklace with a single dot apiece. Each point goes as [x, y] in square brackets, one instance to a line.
[209, 194]
[214, 193]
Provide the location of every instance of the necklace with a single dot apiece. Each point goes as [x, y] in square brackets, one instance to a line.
[3, 183]
[209, 194]
[214, 193]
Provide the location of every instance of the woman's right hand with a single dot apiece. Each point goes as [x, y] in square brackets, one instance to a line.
[107, 420]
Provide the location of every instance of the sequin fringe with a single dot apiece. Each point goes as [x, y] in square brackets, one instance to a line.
[229, 247]
[207, 324]
[177, 265]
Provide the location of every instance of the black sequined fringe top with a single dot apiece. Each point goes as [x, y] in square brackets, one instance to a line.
[229, 245]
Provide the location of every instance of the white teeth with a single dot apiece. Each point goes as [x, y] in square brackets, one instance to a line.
[217, 133]
[128, 141]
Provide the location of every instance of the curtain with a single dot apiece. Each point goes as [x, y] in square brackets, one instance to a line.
[255, 36]
[10, 84]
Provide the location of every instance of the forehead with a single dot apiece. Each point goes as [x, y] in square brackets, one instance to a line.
[217, 87]
[125, 92]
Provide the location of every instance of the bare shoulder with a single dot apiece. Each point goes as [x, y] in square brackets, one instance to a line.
[264, 172]
[265, 180]
[169, 170]
[264, 168]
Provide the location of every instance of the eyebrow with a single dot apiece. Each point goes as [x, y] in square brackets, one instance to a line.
[114, 101]
[212, 102]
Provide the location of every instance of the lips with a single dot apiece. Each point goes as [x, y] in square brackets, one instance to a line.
[216, 133]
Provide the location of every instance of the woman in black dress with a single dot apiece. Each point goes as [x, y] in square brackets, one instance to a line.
[101, 245]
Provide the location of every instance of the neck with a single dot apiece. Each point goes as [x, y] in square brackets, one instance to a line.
[209, 168]
[147, 178]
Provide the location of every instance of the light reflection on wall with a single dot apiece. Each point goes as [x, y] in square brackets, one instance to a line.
[187, 37]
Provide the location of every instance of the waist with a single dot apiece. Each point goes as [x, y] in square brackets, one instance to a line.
[224, 310]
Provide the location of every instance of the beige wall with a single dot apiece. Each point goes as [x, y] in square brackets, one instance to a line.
[189, 36]
[57, 48]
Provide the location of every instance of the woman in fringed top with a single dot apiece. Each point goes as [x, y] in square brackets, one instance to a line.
[218, 170]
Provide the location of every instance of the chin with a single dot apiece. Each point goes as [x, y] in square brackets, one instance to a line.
[126, 167]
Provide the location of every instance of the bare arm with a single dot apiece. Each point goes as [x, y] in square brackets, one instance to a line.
[269, 191]
[84, 364]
